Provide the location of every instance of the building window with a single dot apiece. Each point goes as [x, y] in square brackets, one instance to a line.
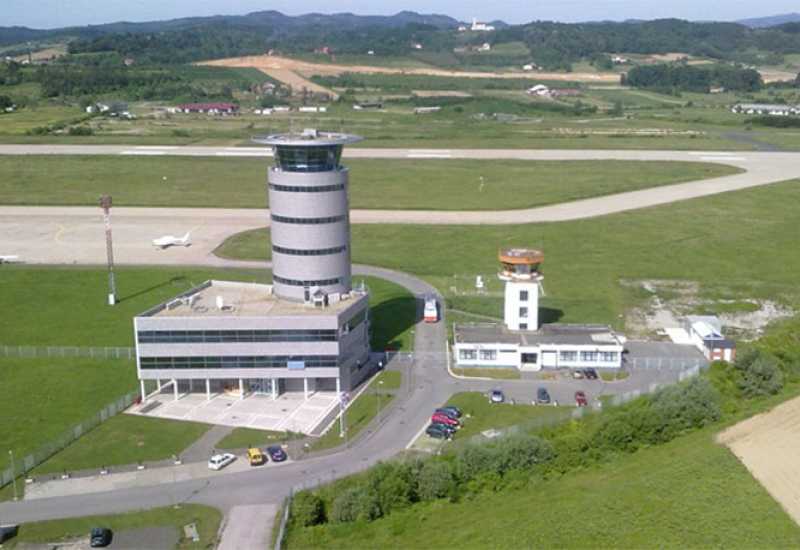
[305, 158]
[467, 354]
[233, 336]
[608, 356]
[523, 312]
[317, 252]
[589, 356]
[307, 188]
[295, 282]
[569, 356]
[307, 221]
[523, 295]
[488, 355]
[523, 326]
[238, 362]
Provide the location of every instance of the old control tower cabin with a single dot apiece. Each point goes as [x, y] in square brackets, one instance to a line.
[306, 332]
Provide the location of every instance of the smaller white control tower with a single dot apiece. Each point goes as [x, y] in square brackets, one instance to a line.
[519, 268]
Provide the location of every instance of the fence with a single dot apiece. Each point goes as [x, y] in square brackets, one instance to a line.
[67, 351]
[287, 508]
[31, 461]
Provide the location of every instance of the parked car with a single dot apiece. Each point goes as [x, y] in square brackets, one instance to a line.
[577, 374]
[580, 399]
[591, 374]
[455, 410]
[255, 456]
[438, 433]
[100, 537]
[497, 396]
[442, 419]
[218, 462]
[276, 454]
[542, 396]
[445, 427]
[447, 412]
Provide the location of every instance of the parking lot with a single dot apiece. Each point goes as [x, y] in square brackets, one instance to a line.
[289, 412]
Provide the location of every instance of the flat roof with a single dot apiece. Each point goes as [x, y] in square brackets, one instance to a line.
[238, 299]
[584, 335]
[309, 137]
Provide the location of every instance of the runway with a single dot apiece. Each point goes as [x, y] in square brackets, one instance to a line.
[75, 234]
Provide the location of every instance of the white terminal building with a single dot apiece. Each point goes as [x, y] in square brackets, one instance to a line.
[520, 342]
[306, 332]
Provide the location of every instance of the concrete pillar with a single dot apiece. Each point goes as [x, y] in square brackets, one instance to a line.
[274, 389]
[175, 388]
[241, 389]
[158, 384]
[338, 387]
[208, 389]
[305, 389]
[144, 395]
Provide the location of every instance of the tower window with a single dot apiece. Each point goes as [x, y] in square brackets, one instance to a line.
[523, 295]
[523, 312]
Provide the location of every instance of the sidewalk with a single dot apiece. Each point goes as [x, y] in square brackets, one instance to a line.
[248, 527]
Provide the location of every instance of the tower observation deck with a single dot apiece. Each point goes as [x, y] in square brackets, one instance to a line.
[309, 211]
[519, 268]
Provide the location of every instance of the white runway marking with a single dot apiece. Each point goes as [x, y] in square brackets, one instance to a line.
[723, 158]
[428, 156]
[143, 153]
[259, 154]
[156, 147]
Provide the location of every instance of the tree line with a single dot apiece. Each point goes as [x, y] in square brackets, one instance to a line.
[678, 76]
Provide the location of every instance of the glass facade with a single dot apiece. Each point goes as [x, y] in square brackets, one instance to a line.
[308, 158]
[312, 221]
[295, 282]
[307, 188]
[318, 252]
[237, 362]
[234, 336]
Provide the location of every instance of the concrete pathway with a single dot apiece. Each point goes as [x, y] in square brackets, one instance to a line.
[202, 449]
[248, 527]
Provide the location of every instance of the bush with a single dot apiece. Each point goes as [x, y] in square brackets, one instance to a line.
[392, 486]
[521, 453]
[436, 480]
[355, 503]
[759, 374]
[308, 509]
[81, 131]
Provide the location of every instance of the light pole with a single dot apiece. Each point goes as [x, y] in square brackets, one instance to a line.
[13, 473]
[105, 204]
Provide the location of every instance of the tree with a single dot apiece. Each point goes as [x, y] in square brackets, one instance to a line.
[759, 374]
[436, 480]
[617, 109]
[308, 509]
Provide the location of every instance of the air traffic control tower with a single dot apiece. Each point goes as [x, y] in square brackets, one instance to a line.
[309, 210]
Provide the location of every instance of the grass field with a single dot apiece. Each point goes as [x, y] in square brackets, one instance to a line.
[125, 439]
[207, 519]
[65, 306]
[392, 184]
[375, 398]
[480, 414]
[42, 398]
[499, 374]
[243, 438]
[690, 493]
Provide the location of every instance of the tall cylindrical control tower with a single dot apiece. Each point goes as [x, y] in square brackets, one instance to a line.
[309, 211]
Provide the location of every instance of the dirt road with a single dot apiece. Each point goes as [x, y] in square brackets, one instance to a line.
[768, 445]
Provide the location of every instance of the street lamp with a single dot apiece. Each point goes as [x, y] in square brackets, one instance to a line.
[13, 473]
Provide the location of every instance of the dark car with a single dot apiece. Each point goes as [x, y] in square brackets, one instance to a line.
[591, 374]
[580, 399]
[447, 412]
[446, 427]
[542, 395]
[453, 409]
[438, 433]
[276, 454]
[100, 537]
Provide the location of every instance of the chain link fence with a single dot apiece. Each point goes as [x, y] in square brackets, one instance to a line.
[67, 351]
[31, 461]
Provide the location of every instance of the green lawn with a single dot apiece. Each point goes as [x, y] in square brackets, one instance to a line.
[43, 398]
[207, 519]
[740, 245]
[361, 411]
[690, 493]
[390, 184]
[243, 438]
[499, 374]
[125, 439]
[480, 414]
[65, 306]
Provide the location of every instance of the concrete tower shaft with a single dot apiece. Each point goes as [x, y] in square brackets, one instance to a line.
[309, 214]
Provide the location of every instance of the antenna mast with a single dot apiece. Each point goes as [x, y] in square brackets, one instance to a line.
[105, 204]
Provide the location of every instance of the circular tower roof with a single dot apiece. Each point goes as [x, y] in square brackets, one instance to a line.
[309, 137]
[520, 256]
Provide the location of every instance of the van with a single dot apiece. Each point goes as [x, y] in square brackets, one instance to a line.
[255, 456]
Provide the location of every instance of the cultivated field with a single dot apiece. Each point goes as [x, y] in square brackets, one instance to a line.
[768, 445]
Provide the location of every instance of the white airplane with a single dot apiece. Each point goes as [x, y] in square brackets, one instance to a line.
[170, 240]
[10, 260]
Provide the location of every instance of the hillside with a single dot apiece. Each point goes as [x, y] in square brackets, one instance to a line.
[770, 21]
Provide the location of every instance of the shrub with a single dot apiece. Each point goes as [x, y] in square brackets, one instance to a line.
[81, 131]
[473, 460]
[521, 453]
[392, 487]
[355, 503]
[759, 374]
[436, 480]
[308, 509]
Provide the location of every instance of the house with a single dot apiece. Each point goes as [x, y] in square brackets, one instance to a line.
[617, 60]
[485, 47]
[128, 61]
[479, 26]
[209, 108]
[462, 28]
[705, 332]
[312, 109]
[416, 46]
[766, 109]
[324, 50]
[371, 52]
[717, 90]
[530, 67]
[425, 110]
[368, 105]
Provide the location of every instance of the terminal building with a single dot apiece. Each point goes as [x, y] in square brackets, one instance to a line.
[520, 342]
[306, 332]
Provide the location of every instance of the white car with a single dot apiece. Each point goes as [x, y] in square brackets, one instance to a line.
[218, 462]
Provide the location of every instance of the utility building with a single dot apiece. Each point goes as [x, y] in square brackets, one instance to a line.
[306, 332]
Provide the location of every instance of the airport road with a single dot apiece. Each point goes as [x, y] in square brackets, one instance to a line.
[74, 234]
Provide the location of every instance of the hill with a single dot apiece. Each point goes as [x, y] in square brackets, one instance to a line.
[770, 21]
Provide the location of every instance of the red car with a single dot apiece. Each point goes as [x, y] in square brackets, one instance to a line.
[580, 399]
[444, 419]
